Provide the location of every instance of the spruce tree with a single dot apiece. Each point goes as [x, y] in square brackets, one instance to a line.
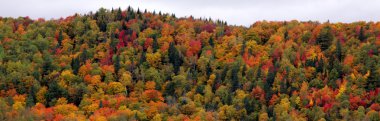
[119, 14]
[75, 65]
[102, 19]
[155, 44]
[324, 38]
[338, 51]
[211, 42]
[60, 38]
[84, 56]
[117, 64]
[234, 77]
[361, 36]
[174, 58]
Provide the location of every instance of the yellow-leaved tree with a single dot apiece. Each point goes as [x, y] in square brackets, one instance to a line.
[116, 88]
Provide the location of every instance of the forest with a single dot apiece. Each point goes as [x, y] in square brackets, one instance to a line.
[131, 64]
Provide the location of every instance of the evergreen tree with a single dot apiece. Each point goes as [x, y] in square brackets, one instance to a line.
[142, 58]
[269, 83]
[333, 76]
[131, 15]
[30, 100]
[174, 58]
[47, 64]
[324, 38]
[117, 64]
[170, 89]
[155, 44]
[258, 73]
[119, 14]
[100, 104]
[224, 73]
[84, 56]
[208, 69]
[80, 90]
[75, 65]
[242, 51]
[211, 42]
[286, 35]
[320, 66]
[234, 77]
[54, 92]
[102, 19]
[129, 9]
[37, 74]
[338, 51]
[361, 36]
[373, 79]
[60, 38]
[123, 26]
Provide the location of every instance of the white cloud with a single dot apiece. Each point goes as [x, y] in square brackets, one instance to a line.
[239, 12]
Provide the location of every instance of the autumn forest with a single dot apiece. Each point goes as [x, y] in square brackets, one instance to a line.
[131, 64]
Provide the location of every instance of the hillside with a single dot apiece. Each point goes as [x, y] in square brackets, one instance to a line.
[139, 65]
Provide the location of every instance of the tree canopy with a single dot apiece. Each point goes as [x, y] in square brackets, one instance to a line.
[140, 65]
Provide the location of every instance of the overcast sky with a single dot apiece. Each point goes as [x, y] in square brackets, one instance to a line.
[235, 12]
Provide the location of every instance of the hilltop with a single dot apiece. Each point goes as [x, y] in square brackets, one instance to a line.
[140, 65]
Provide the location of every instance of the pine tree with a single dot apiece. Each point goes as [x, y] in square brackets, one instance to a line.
[211, 42]
[123, 26]
[373, 79]
[361, 36]
[283, 87]
[208, 69]
[132, 15]
[75, 65]
[118, 14]
[234, 77]
[286, 35]
[170, 89]
[36, 74]
[138, 11]
[30, 101]
[100, 104]
[269, 83]
[129, 9]
[54, 92]
[47, 64]
[142, 58]
[223, 74]
[117, 64]
[174, 58]
[249, 104]
[84, 56]
[258, 73]
[60, 38]
[338, 51]
[102, 19]
[320, 66]
[242, 51]
[155, 44]
[324, 38]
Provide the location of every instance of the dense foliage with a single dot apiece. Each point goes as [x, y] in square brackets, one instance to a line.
[134, 65]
